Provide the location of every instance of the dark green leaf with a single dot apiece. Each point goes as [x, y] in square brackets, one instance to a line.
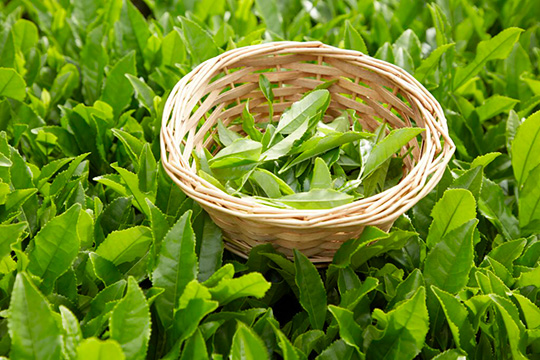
[311, 289]
[176, 267]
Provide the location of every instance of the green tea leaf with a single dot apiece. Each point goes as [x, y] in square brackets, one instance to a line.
[349, 330]
[210, 248]
[72, 335]
[384, 149]
[282, 147]
[289, 351]
[104, 269]
[428, 65]
[144, 93]
[147, 173]
[494, 106]
[449, 262]
[10, 234]
[248, 125]
[321, 178]
[134, 28]
[457, 317]
[173, 51]
[132, 182]
[507, 252]
[406, 289]
[227, 290]
[246, 344]
[94, 58]
[353, 39]
[125, 245]
[234, 161]
[405, 329]
[194, 305]
[270, 12]
[530, 311]
[337, 350]
[118, 91]
[25, 35]
[195, 348]
[529, 201]
[308, 110]
[176, 267]
[199, 43]
[266, 88]
[455, 208]
[96, 349]
[266, 181]
[319, 145]
[13, 85]
[226, 136]
[526, 143]
[514, 326]
[56, 247]
[497, 47]
[33, 328]
[132, 309]
[316, 199]
[492, 206]
[311, 289]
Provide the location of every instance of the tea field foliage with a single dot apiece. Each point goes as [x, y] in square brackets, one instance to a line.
[103, 257]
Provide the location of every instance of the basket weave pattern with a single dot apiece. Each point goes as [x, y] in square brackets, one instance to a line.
[379, 92]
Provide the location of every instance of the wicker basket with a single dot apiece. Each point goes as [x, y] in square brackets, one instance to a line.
[378, 91]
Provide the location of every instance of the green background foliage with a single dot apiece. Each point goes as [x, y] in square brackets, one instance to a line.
[102, 256]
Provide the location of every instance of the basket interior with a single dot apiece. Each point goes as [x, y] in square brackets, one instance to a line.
[375, 98]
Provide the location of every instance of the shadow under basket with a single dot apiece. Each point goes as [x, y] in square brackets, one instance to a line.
[379, 92]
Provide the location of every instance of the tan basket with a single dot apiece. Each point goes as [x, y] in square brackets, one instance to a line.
[378, 91]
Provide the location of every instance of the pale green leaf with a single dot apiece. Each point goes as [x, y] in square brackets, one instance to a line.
[311, 290]
[349, 330]
[12, 84]
[449, 262]
[455, 208]
[353, 39]
[96, 349]
[388, 146]
[251, 284]
[72, 334]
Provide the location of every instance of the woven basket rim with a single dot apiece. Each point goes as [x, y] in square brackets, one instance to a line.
[179, 169]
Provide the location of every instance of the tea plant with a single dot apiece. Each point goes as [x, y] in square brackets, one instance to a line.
[103, 257]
